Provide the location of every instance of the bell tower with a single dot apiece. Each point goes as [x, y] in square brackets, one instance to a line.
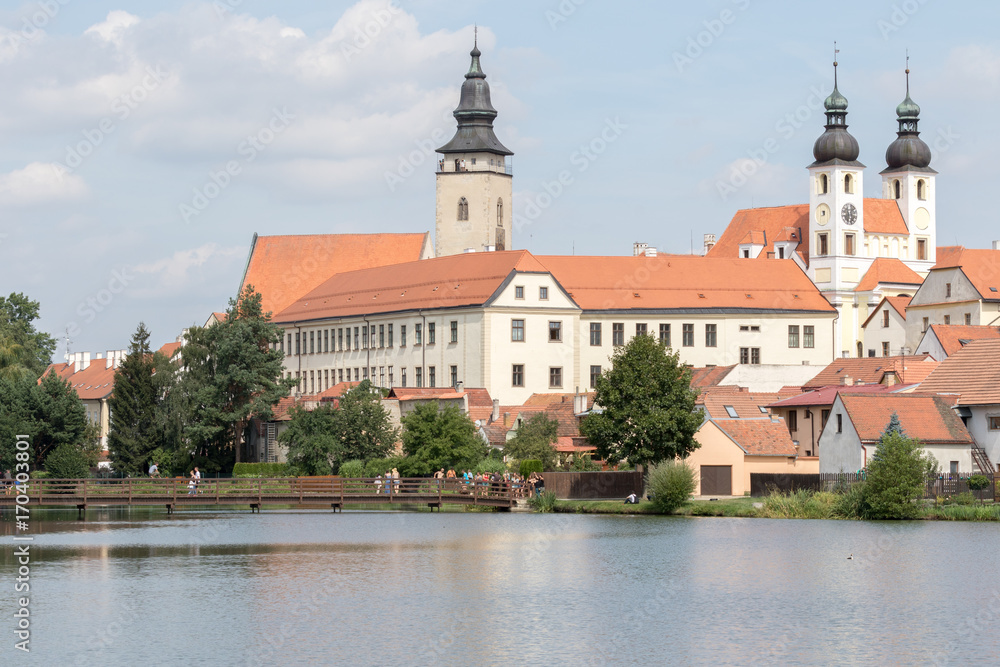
[474, 176]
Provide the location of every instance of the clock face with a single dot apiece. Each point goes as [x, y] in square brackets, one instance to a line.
[849, 214]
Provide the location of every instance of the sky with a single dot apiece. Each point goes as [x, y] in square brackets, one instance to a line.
[142, 144]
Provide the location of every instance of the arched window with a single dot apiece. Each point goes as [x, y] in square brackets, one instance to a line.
[823, 186]
[921, 189]
[463, 209]
[499, 212]
[849, 184]
[896, 191]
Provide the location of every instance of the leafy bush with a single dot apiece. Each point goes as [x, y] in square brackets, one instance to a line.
[543, 502]
[353, 468]
[583, 463]
[801, 504]
[851, 503]
[490, 466]
[966, 498]
[529, 466]
[67, 462]
[260, 470]
[671, 484]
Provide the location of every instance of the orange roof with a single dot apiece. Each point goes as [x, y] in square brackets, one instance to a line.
[754, 237]
[169, 349]
[887, 270]
[826, 395]
[872, 370]
[954, 337]
[573, 445]
[443, 282]
[709, 376]
[480, 404]
[424, 393]
[336, 390]
[981, 267]
[283, 268]
[774, 222]
[898, 303]
[558, 398]
[745, 404]
[759, 437]
[882, 216]
[929, 419]
[972, 371]
[685, 282]
[94, 382]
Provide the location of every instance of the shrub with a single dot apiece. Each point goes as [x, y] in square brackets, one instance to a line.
[979, 483]
[260, 470]
[671, 485]
[896, 477]
[529, 466]
[67, 462]
[851, 504]
[583, 463]
[490, 465]
[965, 498]
[543, 502]
[353, 468]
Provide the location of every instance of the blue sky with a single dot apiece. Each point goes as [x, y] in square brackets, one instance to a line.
[120, 118]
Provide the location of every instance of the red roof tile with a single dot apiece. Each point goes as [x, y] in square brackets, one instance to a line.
[335, 391]
[929, 419]
[954, 337]
[169, 349]
[94, 382]
[747, 405]
[882, 216]
[872, 370]
[972, 371]
[887, 270]
[709, 376]
[826, 395]
[981, 267]
[759, 437]
[754, 237]
[558, 398]
[283, 268]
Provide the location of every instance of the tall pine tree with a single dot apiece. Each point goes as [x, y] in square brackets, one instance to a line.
[133, 432]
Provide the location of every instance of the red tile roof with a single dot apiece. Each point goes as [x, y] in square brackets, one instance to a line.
[558, 398]
[872, 370]
[92, 383]
[954, 337]
[882, 216]
[759, 437]
[684, 282]
[747, 405]
[424, 393]
[929, 419]
[981, 267]
[709, 376]
[169, 349]
[283, 268]
[826, 395]
[897, 303]
[972, 371]
[754, 237]
[444, 282]
[335, 391]
[887, 270]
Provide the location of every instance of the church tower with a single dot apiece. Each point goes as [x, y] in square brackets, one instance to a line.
[474, 182]
[909, 180]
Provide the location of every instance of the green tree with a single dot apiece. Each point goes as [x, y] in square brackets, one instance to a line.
[23, 348]
[534, 439]
[310, 440]
[16, 417]
[435, 438]
[895, 477]
[67, 462]
[671, 484]
[362, 427]
[646, 405]
[133, 431]
[59, 417]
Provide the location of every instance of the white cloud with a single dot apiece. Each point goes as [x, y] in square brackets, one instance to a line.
[114, 27]
[185, 268]
[40, 182]
[745, 179]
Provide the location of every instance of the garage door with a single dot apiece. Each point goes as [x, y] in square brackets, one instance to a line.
[717, 480]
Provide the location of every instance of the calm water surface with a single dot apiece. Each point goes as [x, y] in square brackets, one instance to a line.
[412, 588]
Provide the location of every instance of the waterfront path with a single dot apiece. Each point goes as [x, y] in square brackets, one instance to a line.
[332, 492]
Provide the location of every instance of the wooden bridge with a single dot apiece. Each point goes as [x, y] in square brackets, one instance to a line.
[334, 492]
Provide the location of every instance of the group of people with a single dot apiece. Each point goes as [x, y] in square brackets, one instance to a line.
[193, 481]
[8, 483]
[390, 481]
[495, 482]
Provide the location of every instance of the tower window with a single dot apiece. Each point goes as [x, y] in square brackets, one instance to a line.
[921, 248]
[500, 213]
[921, 189]
[896, 190]
[463, 209]
[849, 248]
[824, 245]
[823, 185]
[849, 184]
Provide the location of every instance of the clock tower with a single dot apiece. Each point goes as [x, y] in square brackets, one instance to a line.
[836, 207]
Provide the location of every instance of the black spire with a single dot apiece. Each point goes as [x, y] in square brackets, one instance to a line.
[475, 114]
[908, 150]
[836, 143]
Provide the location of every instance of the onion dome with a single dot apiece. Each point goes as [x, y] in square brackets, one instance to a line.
[475, 114]
[908, 150]
[836, 143]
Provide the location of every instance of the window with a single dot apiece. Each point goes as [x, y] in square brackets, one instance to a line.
[381, 335]
[885, 318]
[781, 252]
[340, 340]
[968, 319]
[750, 355]
[994, 423]
[312, 382]
[640, 329]
[687, 335]
[595, 372]
[499, 211]
[431, 337]
[947, 290]
[431, 378]
[389, 340]
[517, 330]
[849, 184]
[921, 248]
[793, 335]
[454, 331]
[419, 372]
[463, 209]
[849, 248]
[357, 339]
[555, 377]
[418, 334]
[340, 375]
[895, 189]
[885, 349]
[402, 337]
[289, 343]
[555, 332]
[543, 293]
[618, 334]
[824, 417]
[381, 376]
[312, 343]
[595, 334]
[454, 377]
[731, 411]
[366, 372]
[947, 319]
[921, 189]
[840, 423]
[665, 334]
[297, 342]
[517, 375]
[792, 419]
[364, 338]
[326, 340]
[519, 291]
[924, 326]
[710, 335]
[402, 376]
[823, 184]
[823, 243]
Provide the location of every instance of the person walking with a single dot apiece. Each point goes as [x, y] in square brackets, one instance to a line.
[192, 485]
[154, 471]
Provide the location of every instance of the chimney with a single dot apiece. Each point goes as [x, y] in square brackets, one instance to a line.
[650, 252]
[496, 410]
[579, 402]
[847, 381]
[459, 386]
[86, 360]
[996, 245]
[639, 249]
[709, 242]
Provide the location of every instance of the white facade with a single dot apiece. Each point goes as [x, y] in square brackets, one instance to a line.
[474, 193]
[885, 332]
[947, 297]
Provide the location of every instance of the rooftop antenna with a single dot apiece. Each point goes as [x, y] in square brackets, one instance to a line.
[475, 35]
[907, 72]
[67, 343]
